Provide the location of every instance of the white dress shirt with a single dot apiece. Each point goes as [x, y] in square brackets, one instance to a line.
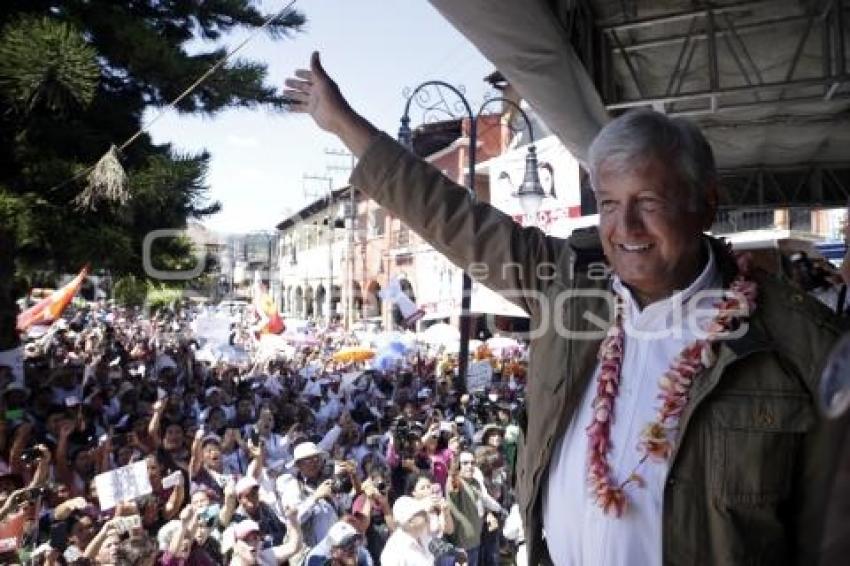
[576, 530]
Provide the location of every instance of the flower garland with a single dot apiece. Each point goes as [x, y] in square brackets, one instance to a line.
[657, 437]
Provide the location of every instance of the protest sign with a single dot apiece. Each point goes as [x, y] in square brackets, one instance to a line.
[479, 375]
[123, 484]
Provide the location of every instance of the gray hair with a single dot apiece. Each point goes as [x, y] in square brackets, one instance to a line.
[638, 134]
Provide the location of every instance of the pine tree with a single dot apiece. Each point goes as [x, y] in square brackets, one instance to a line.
[75, 78]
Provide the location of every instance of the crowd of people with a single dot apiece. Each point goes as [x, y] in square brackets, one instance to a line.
[300, 460]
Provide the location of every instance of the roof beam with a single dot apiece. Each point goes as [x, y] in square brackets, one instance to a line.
[654, 20]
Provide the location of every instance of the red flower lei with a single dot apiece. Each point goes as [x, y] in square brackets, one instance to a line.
[657, 437]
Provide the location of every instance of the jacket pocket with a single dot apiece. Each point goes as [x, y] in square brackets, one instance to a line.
[753, 442]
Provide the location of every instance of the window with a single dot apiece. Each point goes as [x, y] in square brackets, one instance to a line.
[403, 236]
[378, 222]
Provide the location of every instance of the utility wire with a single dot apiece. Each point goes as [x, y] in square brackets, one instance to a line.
[200, 80]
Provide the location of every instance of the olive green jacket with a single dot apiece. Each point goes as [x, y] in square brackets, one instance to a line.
[463, 505]
[748, 479]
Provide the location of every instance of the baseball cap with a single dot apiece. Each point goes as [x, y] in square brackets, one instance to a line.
[245, 485]
[245, 528]
[341, 534]
[210, 390]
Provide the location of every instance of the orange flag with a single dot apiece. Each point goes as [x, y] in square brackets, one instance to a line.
[50, 308]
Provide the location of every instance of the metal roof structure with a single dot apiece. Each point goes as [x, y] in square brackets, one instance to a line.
[767, 81]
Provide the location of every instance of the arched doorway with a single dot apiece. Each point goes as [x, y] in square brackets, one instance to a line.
[299, 302]
[356, 300]
[309, 306]
[321, 297]
[374, 306]
[336, 296]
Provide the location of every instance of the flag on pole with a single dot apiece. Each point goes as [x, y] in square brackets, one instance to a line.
[409, 311]
[50, 308]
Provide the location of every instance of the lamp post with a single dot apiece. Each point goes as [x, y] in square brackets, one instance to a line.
[530, 192]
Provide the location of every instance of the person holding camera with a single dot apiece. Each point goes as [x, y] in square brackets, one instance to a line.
[405, 453]
[372, 508]
[408, 545]
[311, 491]
[277, 447]
[428, 492]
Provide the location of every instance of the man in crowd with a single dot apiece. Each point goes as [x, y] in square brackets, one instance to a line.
[310, 491]
[671, 389]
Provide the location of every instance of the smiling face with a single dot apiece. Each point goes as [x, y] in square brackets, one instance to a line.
[311, 468]
[650, 235]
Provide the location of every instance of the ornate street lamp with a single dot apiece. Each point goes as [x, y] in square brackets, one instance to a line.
[429, 96]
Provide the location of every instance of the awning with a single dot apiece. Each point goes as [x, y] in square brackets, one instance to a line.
[486, 301]
[759, 77]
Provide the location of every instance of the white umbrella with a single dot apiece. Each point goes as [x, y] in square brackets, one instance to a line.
[440, 334]
[499, 344]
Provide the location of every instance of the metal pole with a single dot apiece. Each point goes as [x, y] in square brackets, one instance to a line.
[405, 137]
[350, 263]
[466, 297]
[331, 221]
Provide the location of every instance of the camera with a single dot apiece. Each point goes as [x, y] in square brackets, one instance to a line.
[381, 486]
[37, 492]
[30, 455]
[342, 484]
[207, 518]
[341, 481]
[405, 435]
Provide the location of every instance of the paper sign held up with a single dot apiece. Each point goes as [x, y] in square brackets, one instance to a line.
[123, 484]
[479, 375]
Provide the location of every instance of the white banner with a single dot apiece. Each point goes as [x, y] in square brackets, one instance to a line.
[214, 330]
[123, 484]
[478, 376]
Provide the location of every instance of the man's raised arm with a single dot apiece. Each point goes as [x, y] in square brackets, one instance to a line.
[476, 237]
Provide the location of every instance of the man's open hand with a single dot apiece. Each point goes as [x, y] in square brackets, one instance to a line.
[313, 92]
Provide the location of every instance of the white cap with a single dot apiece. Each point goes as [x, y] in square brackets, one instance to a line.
[246, 484]
[341, 533]
[245, 528]
[210, 390]
[405, 508]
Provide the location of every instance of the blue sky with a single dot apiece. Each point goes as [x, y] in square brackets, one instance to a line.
[373, 48]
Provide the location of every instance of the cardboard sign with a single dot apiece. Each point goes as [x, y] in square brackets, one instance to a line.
[479, 375]
[123, 484]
